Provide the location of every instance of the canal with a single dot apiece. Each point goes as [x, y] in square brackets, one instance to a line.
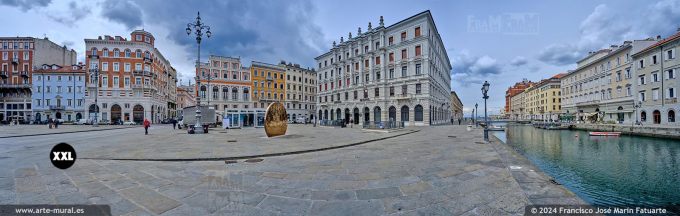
[622, 170]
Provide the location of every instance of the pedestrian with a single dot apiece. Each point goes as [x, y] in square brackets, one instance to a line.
[174, 123]
[147, 124]
[56, 123]
[49, 122]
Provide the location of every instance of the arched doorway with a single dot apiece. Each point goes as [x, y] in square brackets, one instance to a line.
[338, 115]
[115, 113]
[332, 114]
[78, 116]
[376, 114]
[58, 115]
[356, 115]
[404, 113]
[294, 117]
[325, 115]
[347, 115]
[619, 116]
[418, 113]
[392, 114]
[38, 117]
[657, 116]
[138, 114]
[92, 111]
[671, 116]
[367, 115]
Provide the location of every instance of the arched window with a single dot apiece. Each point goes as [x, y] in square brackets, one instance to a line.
[138, 53]
[215, 92]
[404, 113]
[116, 53]
[246, 94]
[225, 93]
[392, 114]
[105, 52]
[671, 116]
[127, 53]
[147, 54]
[657, 117]
[643, 116]
[202, 92]
[94, 51]
[418, 113]
[234, 93]
[376, 114]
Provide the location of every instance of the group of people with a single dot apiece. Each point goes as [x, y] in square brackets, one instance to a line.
[53, 123]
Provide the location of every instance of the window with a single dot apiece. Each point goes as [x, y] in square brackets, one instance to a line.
[105, 52]
[127, 81]
[418, 90]
[418, 112]
[390, 41]
[654, 59]
[628, 91]
[404, 90]
[655, 94]
[403, 71]
[127, 67]
[670, 54]
[391, 57]
[116, 66]
[403, 54]
[138, 37]
[115, 81]
[670, 74]
[628, 74]
[417, 69]
[641, 80]
[418, 50]
[642, 96]
[127, 53]
[377, 92]
[355, 94]
[671, 93]
[655, 77]
[391, 74]
[641, 63]
[391, 91]
[25, 55]
[417, 34]
[116, 53]
[671, 116]
[377, 60]
[403, 36]
[105, 66]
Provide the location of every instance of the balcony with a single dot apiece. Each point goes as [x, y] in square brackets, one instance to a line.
[13, 86]
[15, 60]
[337, 102]
[266, 100]
[671, 100]
[55, 107]
[24, 74]
[148, 60]
[364, 99]
[93, 56]
[269, 78]
[403, 96]
[141, 73]
[4, 74]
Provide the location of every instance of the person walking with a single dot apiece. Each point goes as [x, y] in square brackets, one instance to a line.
[174, 123]
[49, 122]
[147, 124]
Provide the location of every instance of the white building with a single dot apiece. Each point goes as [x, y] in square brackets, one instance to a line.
[399, 73]
[300, 99]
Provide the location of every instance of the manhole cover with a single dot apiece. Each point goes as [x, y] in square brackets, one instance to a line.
[231, 140]
[229, 161]
[254, 160]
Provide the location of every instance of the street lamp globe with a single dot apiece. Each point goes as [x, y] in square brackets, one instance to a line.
[485, 88]
[188, 30]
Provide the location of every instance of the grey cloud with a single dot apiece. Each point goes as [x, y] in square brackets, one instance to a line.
[254, 30]
[74, 14]
[124, 12]
[519, 61]
[25, 5]
[605, 26]
[470, 69]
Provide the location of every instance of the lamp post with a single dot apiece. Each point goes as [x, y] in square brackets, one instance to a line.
[96, 93]
[197, 28]
[636, 106]
[474, 117]
[485, 90]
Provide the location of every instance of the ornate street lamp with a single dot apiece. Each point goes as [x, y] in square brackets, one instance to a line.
[96, 105]
[485, 90]
[197, 28]
[474, 116]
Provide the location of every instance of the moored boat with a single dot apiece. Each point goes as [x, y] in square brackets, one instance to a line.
[604, 133]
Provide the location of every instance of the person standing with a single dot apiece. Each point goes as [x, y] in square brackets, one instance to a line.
[49, 122]
[147, 124]
[174, 123]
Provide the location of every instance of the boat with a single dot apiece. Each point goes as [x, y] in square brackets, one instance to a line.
[604, 133]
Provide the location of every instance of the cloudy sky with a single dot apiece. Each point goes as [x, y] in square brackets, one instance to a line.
[499, 41]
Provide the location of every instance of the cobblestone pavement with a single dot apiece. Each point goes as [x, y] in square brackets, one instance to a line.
[436, 171]
[28, 130]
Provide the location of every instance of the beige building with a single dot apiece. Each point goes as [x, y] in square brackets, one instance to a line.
[518, 109]
[300, 99]
[540, 101]
[456, 107]
[225, 85]
[657, 81]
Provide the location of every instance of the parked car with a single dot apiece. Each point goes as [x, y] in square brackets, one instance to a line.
[166, 121]
[129, 123]
[83, 122]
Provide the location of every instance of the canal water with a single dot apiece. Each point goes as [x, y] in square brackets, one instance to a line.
[626, 170]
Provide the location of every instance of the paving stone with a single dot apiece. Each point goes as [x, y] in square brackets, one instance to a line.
[334, 195]
[415, 188]
[378, 193]
[285, 205]
[149, 199]
[360, 207]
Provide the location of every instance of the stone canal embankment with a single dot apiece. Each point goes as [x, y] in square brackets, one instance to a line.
[644, 130]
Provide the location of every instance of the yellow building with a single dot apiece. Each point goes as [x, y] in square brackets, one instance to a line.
[543, 100]
[268, 84]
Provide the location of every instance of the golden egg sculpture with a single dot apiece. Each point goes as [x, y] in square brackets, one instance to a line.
[275, 120]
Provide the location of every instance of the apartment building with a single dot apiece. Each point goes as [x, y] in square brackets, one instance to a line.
[300, 99]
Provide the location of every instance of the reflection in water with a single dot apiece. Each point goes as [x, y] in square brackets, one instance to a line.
[604, 170]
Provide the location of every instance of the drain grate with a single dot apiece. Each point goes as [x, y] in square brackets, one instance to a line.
[230, 161]
[452, 136]
[231, 140]
[254, 160]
